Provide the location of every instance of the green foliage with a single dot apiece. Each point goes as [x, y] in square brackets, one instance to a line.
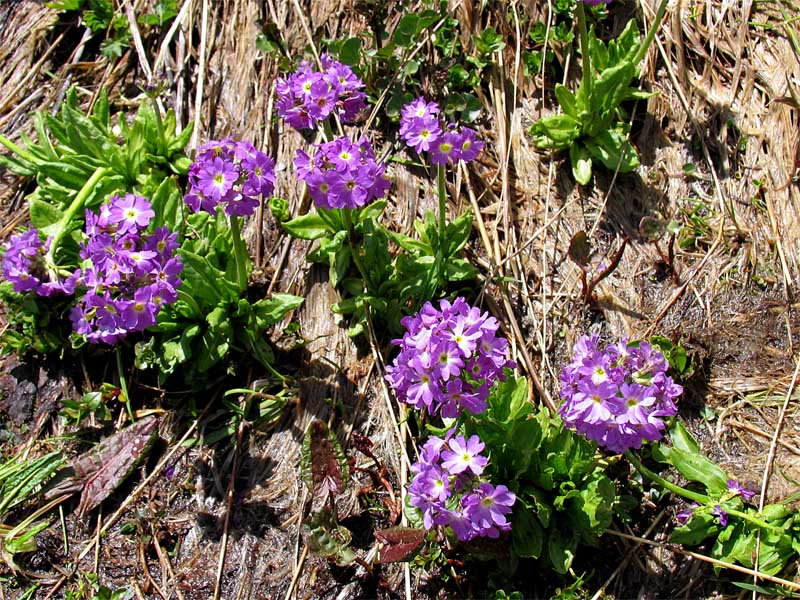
[356, 249]
[774, 533]
[91, 403]
[593, 123]
[21, 482]
[564, 498]
[142, 157]
[211, 322]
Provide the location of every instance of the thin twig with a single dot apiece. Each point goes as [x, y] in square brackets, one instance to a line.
[708, 559]
[198, 98]
[127, 502]
[771, 456]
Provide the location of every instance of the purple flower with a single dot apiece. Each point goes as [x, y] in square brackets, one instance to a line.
[449, 358]
[130, 213]
[735, 488]
[683, 516]
[447, 491]
[464, 455]
[486, 508]
[27, 266]
[617, 396]
[230, 174]
[342, 174]
[721, 515]
[596, 2]
[308, 96]
[421, 129]
[128, 275]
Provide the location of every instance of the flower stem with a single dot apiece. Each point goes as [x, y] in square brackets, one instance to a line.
[651, 33]
[672, 487]
[123, 384]
[327, 130]
[701, 498]
[239, 253]
[354, 249]
[441, 190]
[587, 77]
[62, 228]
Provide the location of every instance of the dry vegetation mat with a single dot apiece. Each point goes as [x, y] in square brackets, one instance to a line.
[399, 299]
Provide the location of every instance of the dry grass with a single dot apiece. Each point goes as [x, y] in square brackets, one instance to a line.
[728, 81]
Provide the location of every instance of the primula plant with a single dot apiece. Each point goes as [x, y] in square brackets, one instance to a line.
[137, 254]
[593, 125]
[621, 397]
[347, 183]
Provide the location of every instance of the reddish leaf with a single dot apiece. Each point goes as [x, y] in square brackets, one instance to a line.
[323, 464]
[400, 543]
[103, 468]
[579, 249]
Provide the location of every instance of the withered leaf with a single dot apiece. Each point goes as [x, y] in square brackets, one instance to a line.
[651, 229]
[323, 464]
[401, 543]
[103, 468]
[579, 249]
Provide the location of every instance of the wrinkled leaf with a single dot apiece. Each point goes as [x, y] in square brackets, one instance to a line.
[103, 468]
[401, 543]
[323, 464]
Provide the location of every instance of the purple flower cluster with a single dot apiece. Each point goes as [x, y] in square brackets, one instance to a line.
[447, 490]
[617, 396]
[128, 275]
[231, 174]
[421, 128]
[596, 2]
[25, 266]
[308, 96]
[342, 174]
[449, 359]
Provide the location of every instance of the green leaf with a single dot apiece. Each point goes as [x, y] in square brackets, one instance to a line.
[561, 551]
[271, 310]
[527, 535]
[686, 457]
[556, 132]
[350, 51]
[566, 100]
[698, 528]
[612, 148]
[581, 163]
[204, 282]
[307, 227]
[371, 211]
[406, 31]
[43, 213]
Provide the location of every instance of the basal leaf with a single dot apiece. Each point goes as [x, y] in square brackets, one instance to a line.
[103, 468]
[43, 214]
[323, 464]
[581, 162]
[326, 538]
[271, 310]
[527, 535]
[400, 543]
[556, 132]
[566, 100]
[307, 227]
